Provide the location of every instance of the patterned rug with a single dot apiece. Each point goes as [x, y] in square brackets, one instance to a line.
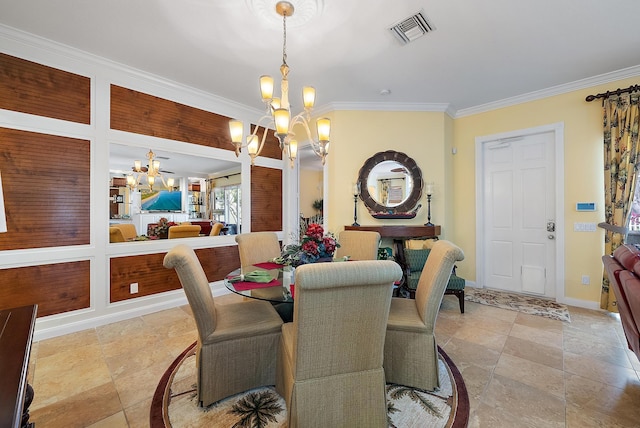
[518, 302]
[175, 404]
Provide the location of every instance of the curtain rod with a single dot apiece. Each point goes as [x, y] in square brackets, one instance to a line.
[223, 176]
[618, 91]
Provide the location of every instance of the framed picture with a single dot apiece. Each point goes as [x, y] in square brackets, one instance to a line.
[119, 199]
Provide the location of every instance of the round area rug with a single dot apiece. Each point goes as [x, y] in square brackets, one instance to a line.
[175, 403]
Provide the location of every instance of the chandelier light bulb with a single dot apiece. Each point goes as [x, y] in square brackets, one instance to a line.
[236, 129]
[253, 144]
[308, 96]
[281, 117]
[137, 165]
[323, 126]
[266, 88]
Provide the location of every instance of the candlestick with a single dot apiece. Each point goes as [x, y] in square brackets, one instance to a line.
[428, 223]
[356, 193]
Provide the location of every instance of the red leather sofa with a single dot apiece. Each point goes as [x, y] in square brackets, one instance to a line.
[623, 271]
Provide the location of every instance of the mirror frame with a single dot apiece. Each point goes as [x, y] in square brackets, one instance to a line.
[416, 175]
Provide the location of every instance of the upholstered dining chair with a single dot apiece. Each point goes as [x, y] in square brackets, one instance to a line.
[257, 247]
[358, 245]
[122, 232]
[237, 342]
[410, 348]
[184, 231]
[216, 229]
[330, 357]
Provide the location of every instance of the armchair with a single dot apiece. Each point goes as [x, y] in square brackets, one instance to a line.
[122, 232]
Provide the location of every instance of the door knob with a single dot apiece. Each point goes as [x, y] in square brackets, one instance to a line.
[551, 236]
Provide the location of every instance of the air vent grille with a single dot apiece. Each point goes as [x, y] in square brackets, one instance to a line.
[412, 28]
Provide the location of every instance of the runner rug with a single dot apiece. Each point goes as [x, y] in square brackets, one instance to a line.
[175, 403]
[518, 302]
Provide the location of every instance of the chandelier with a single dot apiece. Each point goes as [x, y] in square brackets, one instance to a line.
[151, 172]
[278, 112]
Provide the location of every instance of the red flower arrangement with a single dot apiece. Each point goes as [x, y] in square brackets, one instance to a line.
[315, 245]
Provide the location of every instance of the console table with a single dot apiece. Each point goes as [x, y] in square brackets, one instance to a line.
[399, 234]
[16, 335]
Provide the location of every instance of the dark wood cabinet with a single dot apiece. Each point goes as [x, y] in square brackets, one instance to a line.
[16, 336]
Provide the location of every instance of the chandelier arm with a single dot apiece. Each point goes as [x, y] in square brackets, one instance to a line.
[302, 119]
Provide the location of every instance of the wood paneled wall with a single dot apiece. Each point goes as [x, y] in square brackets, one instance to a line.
[271, 147]
[46, 183]
[33, 88]
[152, 277]
[266, 199]
[136, 112]
[55, 288]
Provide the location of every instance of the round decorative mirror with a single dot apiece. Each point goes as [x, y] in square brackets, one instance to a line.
[390, 185]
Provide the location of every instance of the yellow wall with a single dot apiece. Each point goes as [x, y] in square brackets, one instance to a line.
[310, 190]
[429, 138]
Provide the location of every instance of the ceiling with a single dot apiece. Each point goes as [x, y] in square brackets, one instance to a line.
[172, 164]
[480, 51]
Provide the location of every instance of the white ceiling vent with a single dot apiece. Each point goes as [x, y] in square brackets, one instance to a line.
[412, 28]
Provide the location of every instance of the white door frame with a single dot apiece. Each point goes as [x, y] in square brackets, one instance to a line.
[558, 130]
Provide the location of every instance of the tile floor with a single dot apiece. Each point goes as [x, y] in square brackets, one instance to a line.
[520, 370]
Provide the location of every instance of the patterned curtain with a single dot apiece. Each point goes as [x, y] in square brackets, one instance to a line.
[621, 119]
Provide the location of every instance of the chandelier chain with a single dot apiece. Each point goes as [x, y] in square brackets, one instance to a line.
[284, 39]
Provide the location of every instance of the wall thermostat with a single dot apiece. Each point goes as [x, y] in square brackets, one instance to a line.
[585, 206]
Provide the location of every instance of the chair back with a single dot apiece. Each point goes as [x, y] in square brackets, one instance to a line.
[122, 232]
[434, 278]
[216, 229]
[358, 245]
[340, 316]
[257, 247]
[196, 286]
[184, 231]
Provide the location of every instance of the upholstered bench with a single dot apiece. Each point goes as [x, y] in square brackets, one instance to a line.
[416, 259]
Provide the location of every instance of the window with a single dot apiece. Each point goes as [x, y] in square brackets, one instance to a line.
[227, 207]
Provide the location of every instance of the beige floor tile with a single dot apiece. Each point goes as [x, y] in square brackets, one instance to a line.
[494, 325]
[474, 333]
[577, 343]
[68, 373]
[536, 321]
[138, 414]
[531, 406]
[465, 353]
[59, 344]
[79, 410]
[548, 355]
[537, 335]
[114, 421]
[578, 417]
[533, 374]
[599, 371]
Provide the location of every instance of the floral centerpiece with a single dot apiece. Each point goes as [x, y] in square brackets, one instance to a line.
[315, 246]
[161, 230]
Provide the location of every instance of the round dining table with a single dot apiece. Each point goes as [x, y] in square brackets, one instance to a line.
[280, 290]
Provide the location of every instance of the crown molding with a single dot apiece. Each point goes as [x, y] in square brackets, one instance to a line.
[589, 82]
[401, 107]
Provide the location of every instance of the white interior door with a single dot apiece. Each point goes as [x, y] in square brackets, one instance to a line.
[519, 214]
